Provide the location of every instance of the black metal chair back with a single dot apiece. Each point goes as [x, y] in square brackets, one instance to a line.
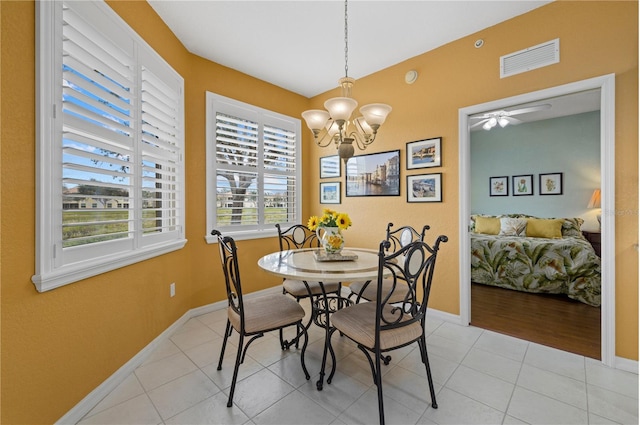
[409, 269]
[296, 237]
[403, 236]
[229, 260]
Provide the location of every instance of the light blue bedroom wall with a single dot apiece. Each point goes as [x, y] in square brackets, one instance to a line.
[570, 145]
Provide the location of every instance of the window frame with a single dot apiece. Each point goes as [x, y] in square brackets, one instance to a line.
[56, 266]
[215, 103]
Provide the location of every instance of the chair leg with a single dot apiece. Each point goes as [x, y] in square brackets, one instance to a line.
[235, 370]
[378, 378]
[304, 348]
[425, 359]
[227, 332]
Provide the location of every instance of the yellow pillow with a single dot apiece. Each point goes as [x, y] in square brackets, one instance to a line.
[544, 228]
[488, 225]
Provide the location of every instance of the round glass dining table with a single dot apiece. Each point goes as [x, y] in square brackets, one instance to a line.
[307, 265]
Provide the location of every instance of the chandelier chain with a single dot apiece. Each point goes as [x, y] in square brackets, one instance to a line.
[346, 41]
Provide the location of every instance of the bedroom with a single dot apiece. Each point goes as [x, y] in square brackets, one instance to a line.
[557, 139]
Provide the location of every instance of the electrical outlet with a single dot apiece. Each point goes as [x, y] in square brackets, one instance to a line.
[172, 289]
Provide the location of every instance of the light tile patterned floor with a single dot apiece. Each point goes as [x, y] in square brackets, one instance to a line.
[480, 377]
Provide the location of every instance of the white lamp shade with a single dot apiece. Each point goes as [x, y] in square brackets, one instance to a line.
[316, 118]
[375, 113]
[340, 108]
[503, 122]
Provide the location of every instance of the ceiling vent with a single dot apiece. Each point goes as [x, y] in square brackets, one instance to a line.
[531, 58]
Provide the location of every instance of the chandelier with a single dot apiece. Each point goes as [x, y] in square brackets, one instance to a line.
[334, 125]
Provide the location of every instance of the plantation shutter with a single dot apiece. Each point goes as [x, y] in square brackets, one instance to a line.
[280, 172]
[97, 133]
[161, 155]
[254, 166]
[110, 143]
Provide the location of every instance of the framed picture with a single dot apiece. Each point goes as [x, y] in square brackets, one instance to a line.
[424, 188]
[499, 186]
[551, 184]
[522, 185]
[329, 166]
[375, 174]
[330, 193]
[424, 153]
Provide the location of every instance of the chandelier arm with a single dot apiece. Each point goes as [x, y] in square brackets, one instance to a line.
[362, 141]
[323, 139]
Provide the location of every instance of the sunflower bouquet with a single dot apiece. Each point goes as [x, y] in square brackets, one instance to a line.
[330, 218]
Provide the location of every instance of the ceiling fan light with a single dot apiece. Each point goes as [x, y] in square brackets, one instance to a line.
[375, 113]
[503, 122]
[316, 119]
[340, 108]
[487, 126]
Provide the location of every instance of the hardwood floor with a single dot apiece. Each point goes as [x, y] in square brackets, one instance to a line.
[552, 320]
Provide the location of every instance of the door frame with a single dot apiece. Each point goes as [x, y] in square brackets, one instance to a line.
[606, 84]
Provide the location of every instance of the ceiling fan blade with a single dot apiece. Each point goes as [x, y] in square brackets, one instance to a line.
[513, 121]
[479, 123]
[528, 110]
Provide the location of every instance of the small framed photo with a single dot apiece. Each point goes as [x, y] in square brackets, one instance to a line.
[499, 186]
[551, 184]
[424, 188]
[329, 166]
[330, 193]
[424, 153]
[522, 185]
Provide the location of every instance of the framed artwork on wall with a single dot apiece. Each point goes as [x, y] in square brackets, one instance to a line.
[522, 185]
[499, 186]
[329, 166]
[424, 188]
[550, 184]
[424, 153]
[374, 174]
[330, 193]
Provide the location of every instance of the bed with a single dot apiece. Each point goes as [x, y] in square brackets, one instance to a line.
[536, 255]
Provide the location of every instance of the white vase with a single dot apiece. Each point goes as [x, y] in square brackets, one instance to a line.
[331, 239]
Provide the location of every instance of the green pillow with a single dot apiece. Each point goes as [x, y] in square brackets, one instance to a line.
[550, 228]
[488, 225]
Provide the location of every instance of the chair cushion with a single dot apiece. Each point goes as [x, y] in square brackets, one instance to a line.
[267, 313]
[299, 290]
[370, 292]
[358, 323]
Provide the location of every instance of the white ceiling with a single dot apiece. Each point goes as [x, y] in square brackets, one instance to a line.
[299, 44]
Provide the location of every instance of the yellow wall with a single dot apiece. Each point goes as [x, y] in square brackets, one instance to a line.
[60, 345]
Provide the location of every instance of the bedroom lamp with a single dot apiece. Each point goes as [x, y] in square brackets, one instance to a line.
[335, 124]
[594, 202]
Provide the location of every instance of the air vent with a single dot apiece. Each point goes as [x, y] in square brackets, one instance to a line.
[531, 58]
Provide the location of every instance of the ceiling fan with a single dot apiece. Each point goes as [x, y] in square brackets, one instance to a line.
[503, 118]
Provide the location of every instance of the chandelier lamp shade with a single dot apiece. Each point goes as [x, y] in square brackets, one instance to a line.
[335, 125]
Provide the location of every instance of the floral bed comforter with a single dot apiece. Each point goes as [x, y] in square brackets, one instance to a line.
[557, 266]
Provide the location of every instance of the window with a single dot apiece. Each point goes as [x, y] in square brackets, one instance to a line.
[109, 145]
[253, 171]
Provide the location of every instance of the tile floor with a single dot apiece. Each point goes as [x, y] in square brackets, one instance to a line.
[480, 377]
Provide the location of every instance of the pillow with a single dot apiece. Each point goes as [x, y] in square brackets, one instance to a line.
[545, 228]
[510, 226]
[572, 227]
[487, 225]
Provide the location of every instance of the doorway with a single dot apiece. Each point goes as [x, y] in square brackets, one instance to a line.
[606, 85]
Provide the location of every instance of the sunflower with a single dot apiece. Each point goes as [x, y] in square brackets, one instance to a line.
[343, 221]
[313, 222]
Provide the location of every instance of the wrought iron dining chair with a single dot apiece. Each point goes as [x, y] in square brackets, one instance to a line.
[255, 316]
[382, 326]
[299, 236]
[398, 238]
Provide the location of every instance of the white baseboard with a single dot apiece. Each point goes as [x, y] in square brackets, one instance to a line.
[74, 415]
